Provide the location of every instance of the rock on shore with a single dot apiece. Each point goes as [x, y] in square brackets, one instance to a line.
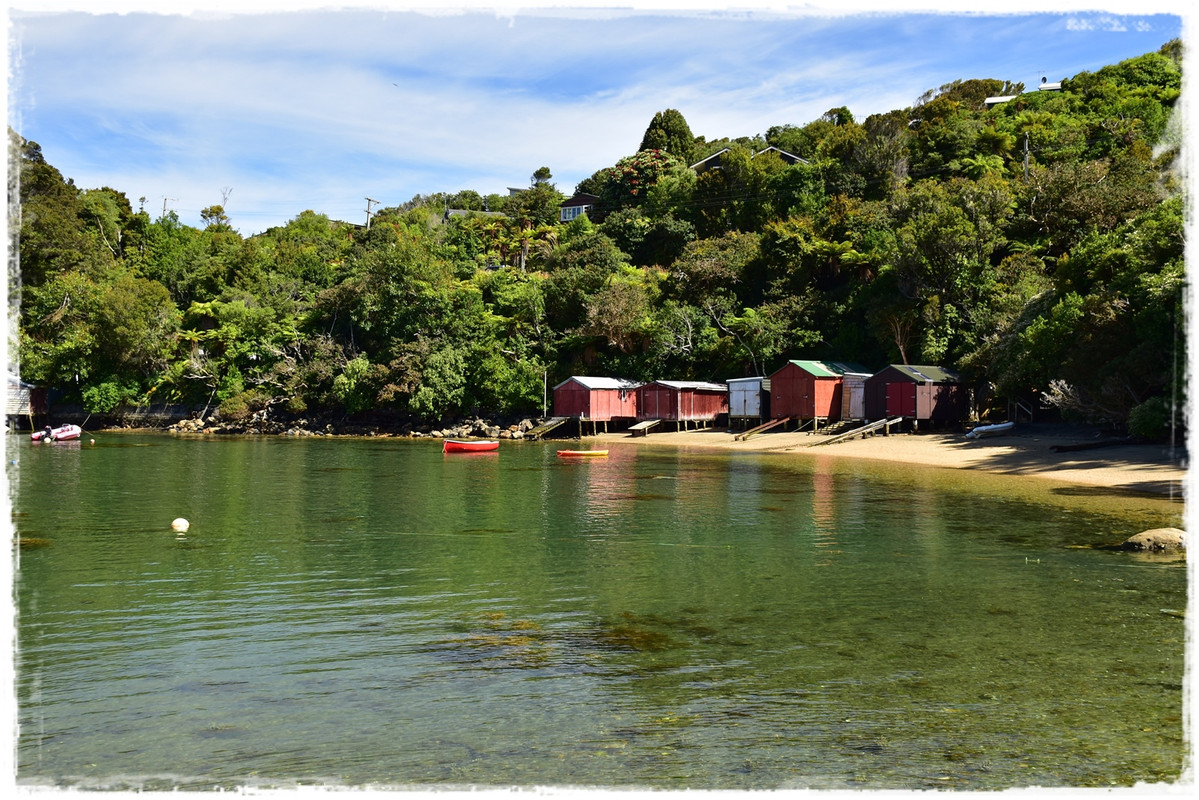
[265, 423]
[1157, 539]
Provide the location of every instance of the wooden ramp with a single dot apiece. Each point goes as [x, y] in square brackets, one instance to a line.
[865, 430]
[546, 427]
[765, 426]
[642, 428]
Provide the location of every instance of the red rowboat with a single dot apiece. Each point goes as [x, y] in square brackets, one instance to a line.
[60, 434]
[460, 446]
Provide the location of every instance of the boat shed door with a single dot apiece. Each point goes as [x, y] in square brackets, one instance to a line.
[901, 399]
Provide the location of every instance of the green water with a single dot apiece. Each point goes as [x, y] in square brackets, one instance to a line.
[373, 613]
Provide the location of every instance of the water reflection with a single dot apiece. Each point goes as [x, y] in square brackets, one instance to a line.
[380, 613]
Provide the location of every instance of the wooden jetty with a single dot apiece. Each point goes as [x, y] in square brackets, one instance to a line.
[642, 428]
[546, 427]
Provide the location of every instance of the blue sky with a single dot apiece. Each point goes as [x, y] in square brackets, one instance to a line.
[304, 106]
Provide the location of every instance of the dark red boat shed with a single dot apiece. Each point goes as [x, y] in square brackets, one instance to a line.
[805, 390]
[918, 393]
[596, 399]
[682, 402]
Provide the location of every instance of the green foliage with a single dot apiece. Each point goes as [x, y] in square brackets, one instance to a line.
[913, 235]
[669, 132]
[1153, 419]
[629, 182]
[442, 389]
[109, 395]
[352, 387]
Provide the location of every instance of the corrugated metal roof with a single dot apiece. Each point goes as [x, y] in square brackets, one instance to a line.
[704, 385]
[759, 379]
[591, 382]
[829, 369]
[928, 373]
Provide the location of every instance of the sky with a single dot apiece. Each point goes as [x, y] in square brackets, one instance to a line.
[272, 109]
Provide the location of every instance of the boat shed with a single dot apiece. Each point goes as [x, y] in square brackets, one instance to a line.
[749, 401]
[24, 400]
[596, 399]
[853, 395]
[810, 390]
[918, 393]
[682, 402]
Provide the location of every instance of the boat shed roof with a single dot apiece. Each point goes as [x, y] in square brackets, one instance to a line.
[928, 373]
[591, 382]
[829, 369]
[699, 385]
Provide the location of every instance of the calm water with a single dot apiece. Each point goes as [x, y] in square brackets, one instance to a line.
[374, 613]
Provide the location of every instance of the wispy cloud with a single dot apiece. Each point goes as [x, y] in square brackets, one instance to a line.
[321, 108]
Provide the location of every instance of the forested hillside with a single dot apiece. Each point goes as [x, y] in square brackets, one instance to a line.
[1035, 246]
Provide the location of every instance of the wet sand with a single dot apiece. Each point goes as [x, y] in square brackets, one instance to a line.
[1027, 451]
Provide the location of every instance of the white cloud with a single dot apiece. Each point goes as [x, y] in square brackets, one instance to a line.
[320, 109]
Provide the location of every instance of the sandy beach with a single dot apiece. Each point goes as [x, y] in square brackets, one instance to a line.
[1027, 451]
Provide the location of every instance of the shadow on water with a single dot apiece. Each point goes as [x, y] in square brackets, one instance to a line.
[1154, 489]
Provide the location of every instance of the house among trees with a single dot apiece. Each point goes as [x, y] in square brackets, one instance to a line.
[810, 390]
[1045, 86]
[788, 158]
[581, 203]
[714, 161]
[918, 393]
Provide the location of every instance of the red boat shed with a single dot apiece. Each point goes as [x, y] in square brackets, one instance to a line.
[917, 393]
[596, 399]
[682, 402]
[804, 390]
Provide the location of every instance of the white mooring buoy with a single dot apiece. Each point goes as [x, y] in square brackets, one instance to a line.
[180, 524]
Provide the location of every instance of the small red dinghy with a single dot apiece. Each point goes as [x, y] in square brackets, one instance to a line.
[60, 434]
[460, 446]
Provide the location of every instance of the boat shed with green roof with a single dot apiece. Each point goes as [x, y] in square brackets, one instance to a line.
[810, 390]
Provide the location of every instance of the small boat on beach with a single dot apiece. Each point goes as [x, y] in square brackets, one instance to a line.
[463, 446]
[582, 453]
[60, 434]
[990, 430]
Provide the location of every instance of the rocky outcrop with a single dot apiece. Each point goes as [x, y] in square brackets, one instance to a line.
[1156, 539]
[269, 422]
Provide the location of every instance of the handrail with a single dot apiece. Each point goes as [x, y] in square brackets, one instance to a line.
[862, 431]
[765, 426]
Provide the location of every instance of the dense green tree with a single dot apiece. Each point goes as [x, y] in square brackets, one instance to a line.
[670, 133]
[1036, 246]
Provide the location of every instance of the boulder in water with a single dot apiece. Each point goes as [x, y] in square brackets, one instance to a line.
[1157, 539]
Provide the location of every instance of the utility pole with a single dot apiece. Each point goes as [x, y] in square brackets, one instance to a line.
[369, 203]
[164, 204]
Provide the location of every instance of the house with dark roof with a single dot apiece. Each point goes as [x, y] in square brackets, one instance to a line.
[581, 203]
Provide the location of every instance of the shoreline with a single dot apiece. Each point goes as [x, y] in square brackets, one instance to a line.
[1152, 469]
[1149, 469]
